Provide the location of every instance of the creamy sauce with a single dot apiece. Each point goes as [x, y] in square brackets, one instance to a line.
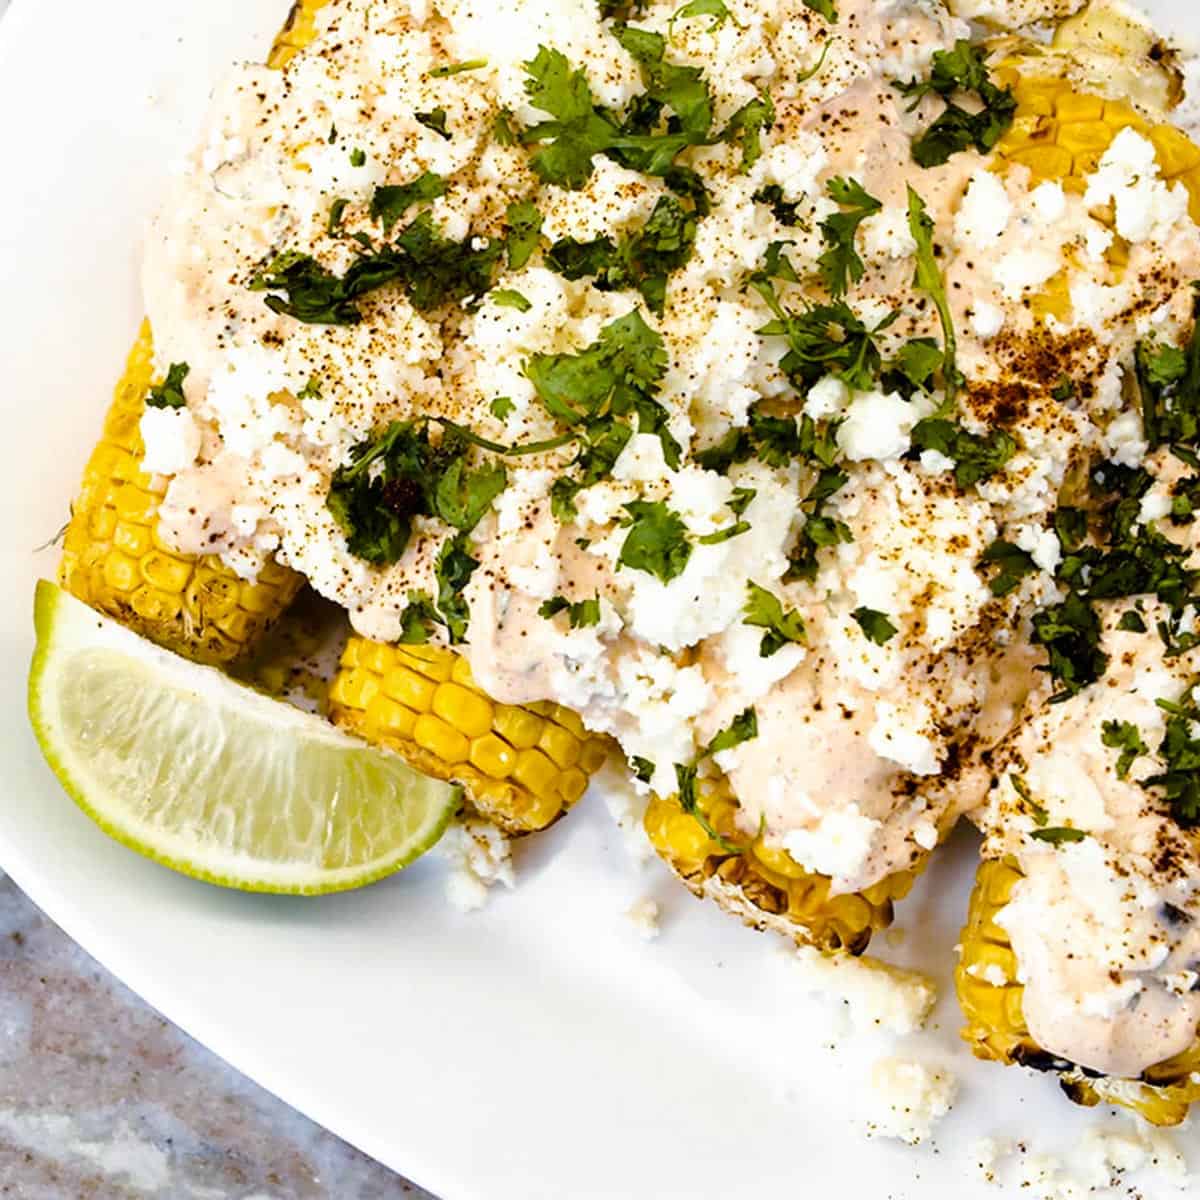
[868, 750]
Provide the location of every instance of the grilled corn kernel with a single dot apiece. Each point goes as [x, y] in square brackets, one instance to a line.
[991, 1000]
[763, 884]
[114, 560]
[520, 768]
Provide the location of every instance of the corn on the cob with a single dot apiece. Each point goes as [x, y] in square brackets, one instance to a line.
[996, 1028]
[114, 560]
[522, 766]
[761, 884]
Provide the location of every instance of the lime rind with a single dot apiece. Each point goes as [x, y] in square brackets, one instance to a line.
[375, 815]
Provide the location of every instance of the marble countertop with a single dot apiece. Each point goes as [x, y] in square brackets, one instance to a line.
[102, 1099]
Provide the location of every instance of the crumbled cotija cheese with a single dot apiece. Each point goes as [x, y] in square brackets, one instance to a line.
[909, 1099]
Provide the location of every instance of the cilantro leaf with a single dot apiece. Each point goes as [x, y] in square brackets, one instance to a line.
[524, 229]
[507, 298]
[580, 614]
[435, 120]
[1169, 383]
[462, 496]
[764, 610]
[452, 571]
[502, 408]
[743, 728]
[823, 339]
[657, 541]
[336, 211]
[169, 393]
[702, 8]
[823, 7]
[1180, 752]
[1070, 634]
[1123, 736]
[680, 88]
[841, 263]
[1014, 564]
[390, 202]
[746, 126]
[976, 456]
[577, 130]
[642, 260]
[875, 624]
[685, 778]
[432, 270]
[963, 69]
[1058, 835]
[1132, 621]
[358, 157]
[417, 620]
[473, 64]
[929, 280]
[643, 768]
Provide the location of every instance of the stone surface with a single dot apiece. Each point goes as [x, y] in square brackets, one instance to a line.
[102, 1099]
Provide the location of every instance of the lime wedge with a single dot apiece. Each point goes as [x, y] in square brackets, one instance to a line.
[211, 778]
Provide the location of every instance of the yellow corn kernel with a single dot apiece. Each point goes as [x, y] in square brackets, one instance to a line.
[520, 769]
[996, 1029]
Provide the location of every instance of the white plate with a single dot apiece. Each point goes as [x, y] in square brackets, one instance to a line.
[538, 1049]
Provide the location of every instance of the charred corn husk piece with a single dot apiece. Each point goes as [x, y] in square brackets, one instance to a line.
[991, 1000]
[763, 885]
[522, 766]
[114, 560]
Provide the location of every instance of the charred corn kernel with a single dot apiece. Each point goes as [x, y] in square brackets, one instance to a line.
[1061, 134]
[991, 1000]
[300, 29]
[521, 769]
[763, 884]
[114, 560]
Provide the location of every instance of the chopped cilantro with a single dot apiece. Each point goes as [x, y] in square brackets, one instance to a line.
[1071, 527]
[502, 408]
[336, 211]
[1014, 564]
[823, 339]
[453, 570]
[1058, 835]
[643, 768]
[764, 610]
[311, 390]
[1070, 634]
[473, 64]
[815, 69]
[1169, 382]
[875, 625]
[417, 620]
[743, 728]
[913, 368]
[685, 778]
[929, 280]
[642, 260]
[169, 393]
[595, 392]
[1123, 736]
[432, 269]
[507, 298]
[746, 126]
[1132, 621]
[524, 229]
[976, 456]
[358, 158]
[1180, 752]
[824, 8]
[435, 119]
[577, 130]
[390, 202]
[784, 212]
[702, 8]
[579, 614]
[1063, 391]
[841, 264]
[1039, 814]
[963, 69]
[400, 474]
[657, 540]
[668, 85]
[503, 132]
